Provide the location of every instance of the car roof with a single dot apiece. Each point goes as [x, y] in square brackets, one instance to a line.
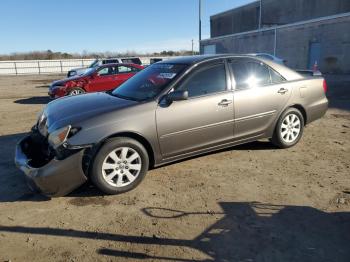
[202, 58]
[116, 64]
[286, 72]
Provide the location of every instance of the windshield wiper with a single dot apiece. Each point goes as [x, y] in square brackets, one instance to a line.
[123, 97]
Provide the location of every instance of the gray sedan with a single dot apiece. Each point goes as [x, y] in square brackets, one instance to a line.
[172, 110]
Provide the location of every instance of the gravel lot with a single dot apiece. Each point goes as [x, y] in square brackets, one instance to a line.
[247, 203]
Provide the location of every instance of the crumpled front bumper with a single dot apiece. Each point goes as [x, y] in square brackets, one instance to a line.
[56, 92]
[54, 178]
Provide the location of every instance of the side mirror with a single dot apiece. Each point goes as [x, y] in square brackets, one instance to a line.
[177, 95]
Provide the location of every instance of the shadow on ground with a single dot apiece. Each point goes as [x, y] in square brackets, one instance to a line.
[257, 145]
[245, 232]
[43, 86]
[13, 185]
[35, 100]
[338, 91]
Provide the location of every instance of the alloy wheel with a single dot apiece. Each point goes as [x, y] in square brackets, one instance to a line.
[121, 167]
[290, 128]
[75, 92]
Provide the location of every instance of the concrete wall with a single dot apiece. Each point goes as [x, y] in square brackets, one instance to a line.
[274, 12]
[280, 12]
[293, 44]
[237, 20]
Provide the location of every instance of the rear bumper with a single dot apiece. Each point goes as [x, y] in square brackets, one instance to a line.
[54, 178]
[317, 110]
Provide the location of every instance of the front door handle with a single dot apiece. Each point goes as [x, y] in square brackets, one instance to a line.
[282, 91]
[225, 102]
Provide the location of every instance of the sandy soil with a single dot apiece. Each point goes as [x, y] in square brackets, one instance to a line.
[247, 203]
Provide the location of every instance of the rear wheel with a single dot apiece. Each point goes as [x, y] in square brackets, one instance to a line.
[289, 128]
[120, 165]
[76, 91]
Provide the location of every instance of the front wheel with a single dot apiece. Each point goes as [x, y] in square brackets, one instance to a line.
[76, 91]
[120, 165]
[289, 128]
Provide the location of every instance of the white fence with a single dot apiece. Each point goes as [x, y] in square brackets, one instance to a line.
[21, 67]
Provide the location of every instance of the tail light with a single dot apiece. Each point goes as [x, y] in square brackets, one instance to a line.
[325, 87]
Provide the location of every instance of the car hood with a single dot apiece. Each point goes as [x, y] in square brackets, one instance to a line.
[63, 81]
[74, 109]
[79, 70]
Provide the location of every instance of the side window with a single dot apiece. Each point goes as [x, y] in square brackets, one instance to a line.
[249, 74]
[110, 61]
[106, 71]
[205, 81]
[124, 69]
[276, 78]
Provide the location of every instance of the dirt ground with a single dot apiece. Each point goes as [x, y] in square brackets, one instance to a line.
[247, 203]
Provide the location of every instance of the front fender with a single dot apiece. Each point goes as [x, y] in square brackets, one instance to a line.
[137, 120]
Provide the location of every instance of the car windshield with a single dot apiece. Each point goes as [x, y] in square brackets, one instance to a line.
[94, 64]
[148, 83]
[89, 71]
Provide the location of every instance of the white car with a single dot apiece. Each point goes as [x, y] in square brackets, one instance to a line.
[99, 62]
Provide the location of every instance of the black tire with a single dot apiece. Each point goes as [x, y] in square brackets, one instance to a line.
[277, 138]
[76, 91]
[97, 175]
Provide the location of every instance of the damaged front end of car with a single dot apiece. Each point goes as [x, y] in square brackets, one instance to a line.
[51, 165]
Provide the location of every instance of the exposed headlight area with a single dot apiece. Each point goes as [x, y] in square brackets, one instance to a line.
[59, 136]
[42, 124]
[55, 142]
[42, 146]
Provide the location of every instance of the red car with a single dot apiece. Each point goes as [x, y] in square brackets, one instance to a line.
[102, 78]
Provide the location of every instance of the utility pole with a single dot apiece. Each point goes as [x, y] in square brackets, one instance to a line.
[192, 47]
[200, 22]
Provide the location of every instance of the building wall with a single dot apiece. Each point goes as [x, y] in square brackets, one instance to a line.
[280, 12]
[293, 44]
[245, 18]
[274, 12]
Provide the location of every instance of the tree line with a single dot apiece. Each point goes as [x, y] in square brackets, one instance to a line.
[50, 55]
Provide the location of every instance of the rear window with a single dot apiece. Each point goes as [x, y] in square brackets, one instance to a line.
[136, 61]
[110, 61]
[155, 60]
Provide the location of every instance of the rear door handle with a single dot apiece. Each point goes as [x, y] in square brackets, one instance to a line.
[282, 91]
[225, 102]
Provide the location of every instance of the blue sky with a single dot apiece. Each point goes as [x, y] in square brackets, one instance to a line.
[107, 25]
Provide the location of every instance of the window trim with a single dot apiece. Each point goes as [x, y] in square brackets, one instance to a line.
[201, 67]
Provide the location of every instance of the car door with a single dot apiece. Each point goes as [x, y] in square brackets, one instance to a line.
[204, 120]
[260, 95]
[103, 79]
